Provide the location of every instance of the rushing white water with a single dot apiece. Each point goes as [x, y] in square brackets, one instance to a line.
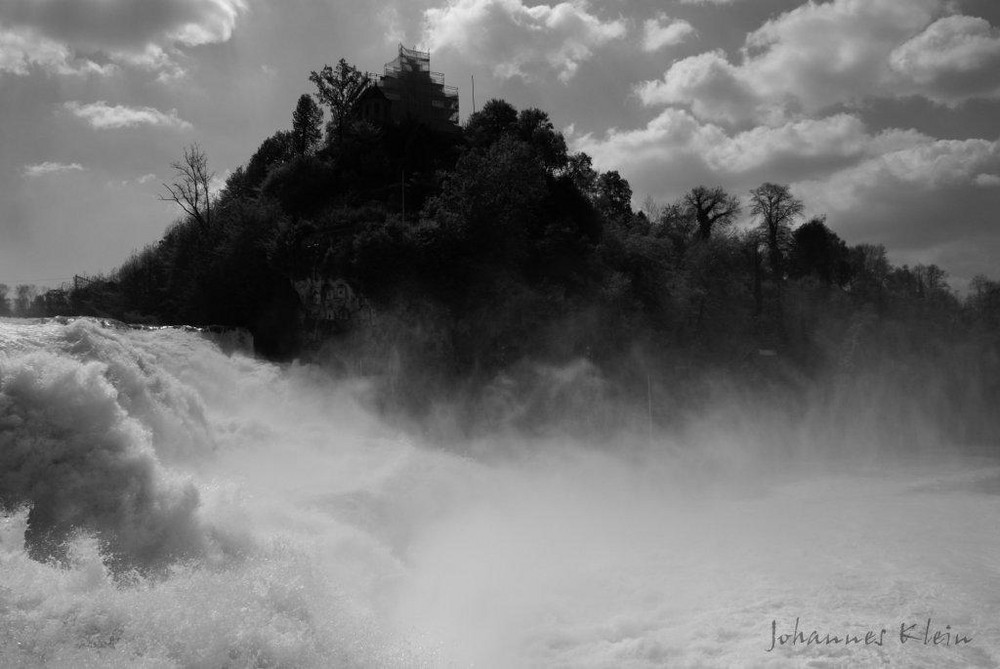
[171, 505]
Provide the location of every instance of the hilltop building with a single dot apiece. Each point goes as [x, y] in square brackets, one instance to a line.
[408, 90]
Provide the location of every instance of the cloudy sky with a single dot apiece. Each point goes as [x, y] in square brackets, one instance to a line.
[882, 114]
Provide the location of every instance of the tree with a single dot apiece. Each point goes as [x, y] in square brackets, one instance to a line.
[274, 151]
[983, 300]
[488, 125]
[673, 222]
[55, 302]
[306, 125]
[932, 281]
[339, 88]
[920, 281]
[535, 128]
[580, 170]
[491, 200]
[4, 302]
[817, 250]
[710, 207]
[777, 209]
[614, 195]
[24, 300]
[869, 269]
[190, 189]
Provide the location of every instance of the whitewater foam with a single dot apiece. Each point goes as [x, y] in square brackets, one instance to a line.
[170, 505]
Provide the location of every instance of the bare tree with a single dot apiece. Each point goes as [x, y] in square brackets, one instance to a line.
[777, 209]
[711, 207]
[190, 189]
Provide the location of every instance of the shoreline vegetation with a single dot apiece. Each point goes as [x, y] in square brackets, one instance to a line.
[479, 263]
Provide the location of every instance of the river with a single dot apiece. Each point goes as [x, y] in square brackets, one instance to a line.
[168, 504]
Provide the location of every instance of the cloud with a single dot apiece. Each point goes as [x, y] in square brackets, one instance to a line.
[46, 168]
[129, 183]
[154, 58]
[125, 24]
[394, 31]
[714, 89]
[932, 165]
[103, 116]
[821, 54]
[22, 50]
[676, 140]
[517, 40]
[801, 147]
[954, 58]
[837, 150]
[835, 53]
[662, 31]
[929, 202]
[898, 187]
[52, 33]
[775, 112]
[218, 182]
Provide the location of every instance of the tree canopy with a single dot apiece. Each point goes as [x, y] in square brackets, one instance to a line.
[339, 88]
[470, 250]
[307, 120]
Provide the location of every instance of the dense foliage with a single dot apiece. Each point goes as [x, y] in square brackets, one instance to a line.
[479, 249]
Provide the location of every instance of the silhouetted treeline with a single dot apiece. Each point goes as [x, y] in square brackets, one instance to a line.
[482, 248]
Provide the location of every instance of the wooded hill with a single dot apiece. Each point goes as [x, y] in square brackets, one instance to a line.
[482, 251]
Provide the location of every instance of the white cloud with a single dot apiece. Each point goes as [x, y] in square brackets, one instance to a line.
[103, 116]
[662, 31]
[59, 34]
[768, 114]
[46, 168]
[218, 182]
[889, 180]
[153, 58]
[822, 54]
[145, 178]
[953, 44]
[21, 50]
[838, 52]
[713, 88]
[941, 162]
[898, 187]
[919, 200]
[835, 149]
[676, 140]
[823, 141]
[517, 40]
[126, 24]
[953, 58]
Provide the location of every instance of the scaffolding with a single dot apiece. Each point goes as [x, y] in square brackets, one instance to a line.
[414, 91]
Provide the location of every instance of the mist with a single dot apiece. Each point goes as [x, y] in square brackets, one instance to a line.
[170, 504]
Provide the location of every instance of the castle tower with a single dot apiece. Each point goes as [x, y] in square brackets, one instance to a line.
[408, 89]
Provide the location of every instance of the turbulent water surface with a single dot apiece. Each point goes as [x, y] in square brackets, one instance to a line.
[166, 504]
